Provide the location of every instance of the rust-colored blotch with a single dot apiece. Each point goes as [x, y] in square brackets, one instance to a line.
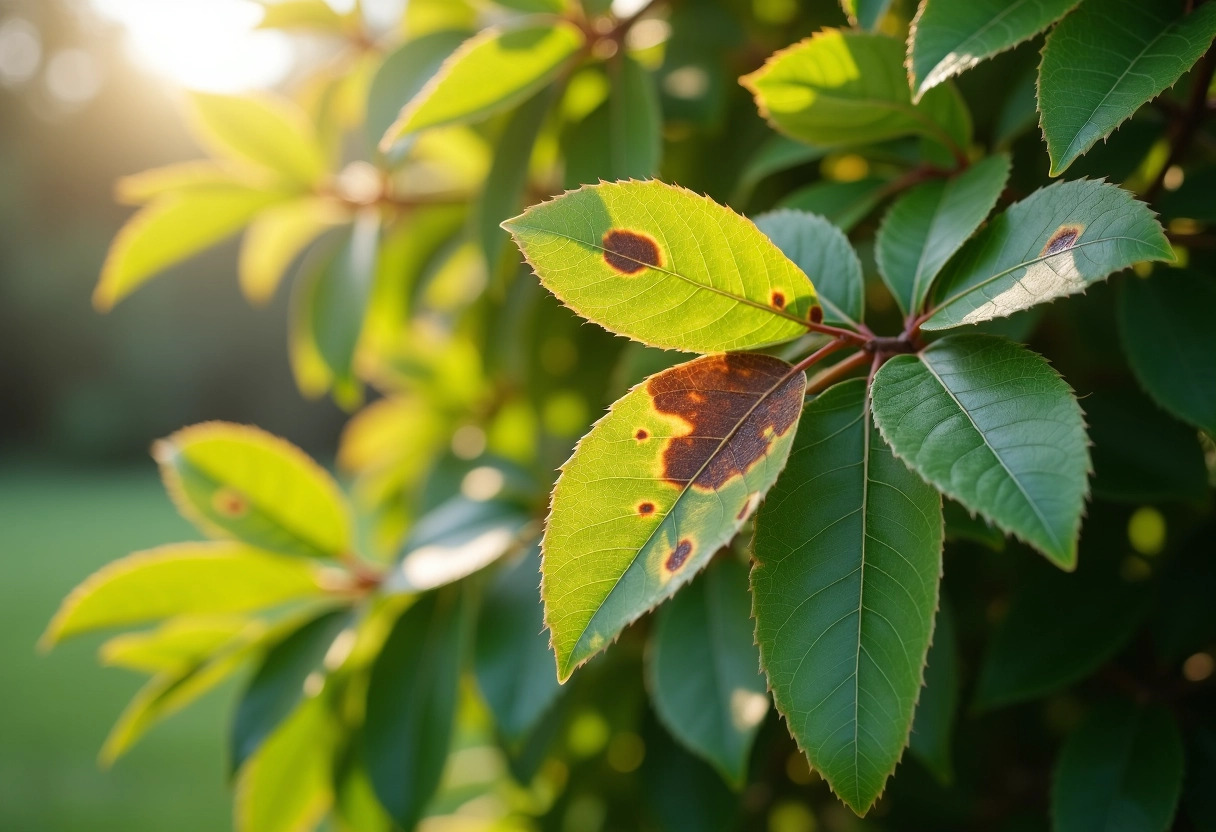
[679, 555]
[816, 315]
[230, 503]
[1064, 238]
[778, 300]
[645, 509]
[628, 252]
[642, 435]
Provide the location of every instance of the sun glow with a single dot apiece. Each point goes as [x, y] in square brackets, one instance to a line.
[208, 45]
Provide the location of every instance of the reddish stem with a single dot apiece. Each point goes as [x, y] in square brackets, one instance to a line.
[833, 374]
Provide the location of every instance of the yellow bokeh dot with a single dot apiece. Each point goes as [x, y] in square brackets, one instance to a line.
[626, 752]
[588, 734]
[1198, 667]
[848, 167]
[790, 816]
[775, 12]
[1146, 531]
[566, 413]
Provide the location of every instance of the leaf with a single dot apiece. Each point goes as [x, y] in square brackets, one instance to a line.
[665, 266]
[402, 76]
[1167, 332]
[241, 482]
[929, 223]
[512, 658]
[821, 251]
[280, 683]
[308, 15]
[492, 71]
[933, 727]
[845, 582]
[460, 537]
[778, 153]
[1105, 60]
[535, 6]
[1026, 658]
[172, 228]
[683, 793]
[704, 670]
[844, 204]
[622, 137]
[866, 14]
[176, 645]
[341, 288]
[277, 236]
[197, 174]
[950, 36]
[288, 786]
[182, 579]
[1058, 241]
[266, 130]
[964, 525]
[661, 483]
[411, 704]
[1121, 769]
[991, 425]
[845, 87]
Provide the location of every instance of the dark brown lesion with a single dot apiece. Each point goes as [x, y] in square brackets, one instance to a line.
[642, 435]
[646, 509]
[628, 252]
[816, 314]
[778, 300]
[1064, 238]
[679, 555]
[752, 399]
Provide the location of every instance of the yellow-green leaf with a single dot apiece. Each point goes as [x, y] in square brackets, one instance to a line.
[265, 130]
[175, 645]
[277, 237]
[197, 174]
[313, 15]
[241, 482]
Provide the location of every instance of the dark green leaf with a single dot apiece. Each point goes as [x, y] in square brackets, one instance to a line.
[865, 13]
[844, 204]
[823, 253]
[963, 525]
[340, 294]
[670, 776]
[933, 728]
[778, 153]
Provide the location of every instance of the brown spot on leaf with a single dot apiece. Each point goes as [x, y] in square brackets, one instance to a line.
[778, 300]
[628, 252]
[816, 314]
[642, 435]
[645, 509]
[679, 555]
[1064, 238]
[735, 406]
[230, 503]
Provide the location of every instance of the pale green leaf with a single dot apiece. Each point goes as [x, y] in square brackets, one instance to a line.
[1108, 58]
[845, 583]
[822, 252]
[183, 579]
[929, 223]
[933, 727]
[666, 267]
[241, 482]
[950, 36]
[1167, 331]
[277, 236]
[865, 13]
[661, 483]
[846, 87]
[704, 670]
[1058, 241]
[263, 129]
[177, 644]
[994, 427]
[172, 228]
[491, 72]
[1120, 770]
[844, 204]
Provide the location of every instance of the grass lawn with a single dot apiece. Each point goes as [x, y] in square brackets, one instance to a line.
[56, 526]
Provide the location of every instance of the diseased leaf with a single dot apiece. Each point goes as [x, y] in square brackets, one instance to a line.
[512, 658]
[659, 484]
[846, 87]
[933, 727]
[492, 71]
[844, 204]
[845, 583]
[1058, 241]
[1121, 769]
[241, 482]
[950, 36]
[822, 252]
[265, 130]
[277, 236]
[929, 223]
[176, 645]
[1166, 327]
[409, 724]
[182, 579]
[1108, 58]
[865, 13]
[994, 427]
[704, 670]
[666, 267]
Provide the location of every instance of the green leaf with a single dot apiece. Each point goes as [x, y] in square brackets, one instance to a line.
[661, 483]
[964, 525]
[683, 792]
[929, 223]
[951, 36]
[340, 290]
[991, 425]
[280, 682]
[844, 204]
[241, 482]
[666, 267]
[623, 137]
[847, 559]
[1105, 60]
[1166, 327]
[402, 76]
[865, 13]
[308, 15]
[512, 657]
[288, 786]
[177, 645]
[704, 670]
[933, 728]
[844, 87]
[1100, 611]
[411, 704]
[1019, 112]
[172, 228]
[183, 579]
[821, 251]
[265, 130]
[277, 236]
[1121, 769]
[174, 179]
[1058, 241]
[778, 153]
[491, 72]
